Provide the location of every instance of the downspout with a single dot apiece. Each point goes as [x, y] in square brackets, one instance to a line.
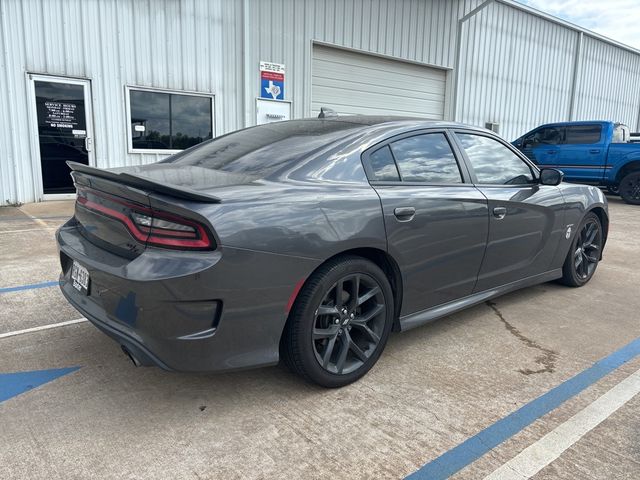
[246, 67]
[577, 64]
[456, 84]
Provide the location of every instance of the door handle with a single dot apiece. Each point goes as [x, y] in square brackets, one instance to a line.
[88, 144]
[594, 150]
[404, 214]
[500, 212]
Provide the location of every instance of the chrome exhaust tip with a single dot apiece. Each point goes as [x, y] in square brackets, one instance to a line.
[135, 361]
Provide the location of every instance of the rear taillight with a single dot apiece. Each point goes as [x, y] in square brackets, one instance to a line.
[167, 230]
[149, 226]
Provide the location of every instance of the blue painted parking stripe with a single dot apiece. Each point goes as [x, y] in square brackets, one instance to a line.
[12, 384]
[28, 287]
[475, 447]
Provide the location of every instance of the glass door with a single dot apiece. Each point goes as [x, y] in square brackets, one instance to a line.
[63, 111]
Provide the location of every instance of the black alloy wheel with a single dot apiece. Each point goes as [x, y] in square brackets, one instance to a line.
[585, 252]
[340, 322]
[630, 188]
[348, 323]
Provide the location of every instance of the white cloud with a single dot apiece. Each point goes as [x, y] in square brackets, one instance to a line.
[616, 19]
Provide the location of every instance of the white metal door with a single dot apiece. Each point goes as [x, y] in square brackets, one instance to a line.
[61, 131]
[358, 83]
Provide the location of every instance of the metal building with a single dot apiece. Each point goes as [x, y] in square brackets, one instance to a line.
[123, 82]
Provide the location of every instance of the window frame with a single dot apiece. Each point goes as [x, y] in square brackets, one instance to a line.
[158, 151]
[535, 170]
[465, 177]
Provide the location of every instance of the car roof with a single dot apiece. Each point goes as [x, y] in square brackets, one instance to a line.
[396, 121]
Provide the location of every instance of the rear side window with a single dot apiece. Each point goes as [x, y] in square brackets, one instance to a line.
[493, 163]
[383, 166]
[426, 158]
[583, 134]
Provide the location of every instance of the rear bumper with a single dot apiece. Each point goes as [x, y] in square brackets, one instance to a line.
[134, 347]
[185, 311]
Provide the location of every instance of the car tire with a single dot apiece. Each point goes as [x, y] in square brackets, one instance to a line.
[585, 252]
[630, 188]
[328, 338]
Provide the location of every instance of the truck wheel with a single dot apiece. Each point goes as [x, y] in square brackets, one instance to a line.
[613, 189]
[630, 188]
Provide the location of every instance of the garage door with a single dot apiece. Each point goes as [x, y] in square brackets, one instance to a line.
[357, 83]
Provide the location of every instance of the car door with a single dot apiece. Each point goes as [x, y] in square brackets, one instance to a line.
[526, 219]
[541, 145]
[436, 221]
[581, 156]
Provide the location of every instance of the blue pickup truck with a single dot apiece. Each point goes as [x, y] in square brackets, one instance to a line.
[596, 153]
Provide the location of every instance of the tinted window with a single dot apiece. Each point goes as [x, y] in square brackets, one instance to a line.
[383, 166]
[426, 158]
[168, 121]
[493, 163]
[547, 136]
[583, 134]
[263, 150]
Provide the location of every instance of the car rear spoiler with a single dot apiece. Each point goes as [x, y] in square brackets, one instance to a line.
[144, 183]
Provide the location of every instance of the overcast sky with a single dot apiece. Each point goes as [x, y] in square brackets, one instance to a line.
[616, 19]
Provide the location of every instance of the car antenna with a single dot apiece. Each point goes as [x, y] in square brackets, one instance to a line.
[327, 113]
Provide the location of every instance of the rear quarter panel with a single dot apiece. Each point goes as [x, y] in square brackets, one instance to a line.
[620, 154]
[310, 221]
[271, 237]
[314, 209]
[579, 199]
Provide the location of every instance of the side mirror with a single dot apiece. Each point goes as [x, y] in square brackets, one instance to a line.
[551, 176]
[518, 143]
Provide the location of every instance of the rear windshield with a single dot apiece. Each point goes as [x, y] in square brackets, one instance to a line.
[260, 151]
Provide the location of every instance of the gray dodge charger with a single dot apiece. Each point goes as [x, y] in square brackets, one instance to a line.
[312, 240]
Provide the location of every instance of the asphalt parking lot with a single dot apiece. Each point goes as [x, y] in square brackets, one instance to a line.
[437, 401]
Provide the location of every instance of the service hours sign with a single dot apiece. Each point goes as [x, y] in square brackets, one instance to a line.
[61, 115]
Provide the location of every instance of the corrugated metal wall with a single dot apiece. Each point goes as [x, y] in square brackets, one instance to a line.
[282, 31]
[191, 45]
[516, 68]
[608, 84]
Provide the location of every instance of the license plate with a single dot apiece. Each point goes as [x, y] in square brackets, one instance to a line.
[80, 278]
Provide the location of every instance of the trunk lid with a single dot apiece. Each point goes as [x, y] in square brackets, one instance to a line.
[114, 211]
